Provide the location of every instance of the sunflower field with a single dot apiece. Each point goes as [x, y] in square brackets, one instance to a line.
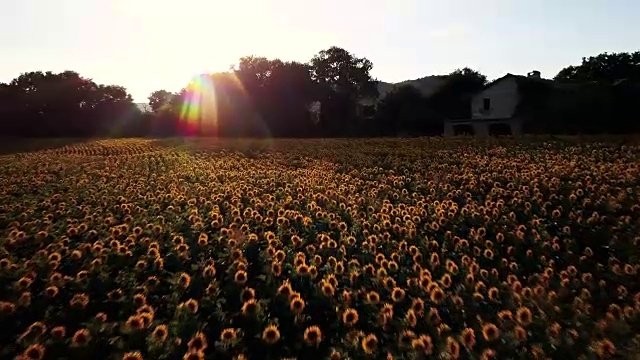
[321, 249]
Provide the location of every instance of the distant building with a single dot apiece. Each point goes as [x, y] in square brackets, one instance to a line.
[314, 110]
[144, 107]
[494, 110]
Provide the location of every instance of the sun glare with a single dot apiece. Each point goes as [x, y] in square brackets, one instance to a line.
[199, 107]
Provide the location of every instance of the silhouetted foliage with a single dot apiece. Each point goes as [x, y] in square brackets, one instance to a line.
[344, 80]
[585, 108]
[405, 111]
[598, 96]
[159, 100]
[453, 99]
[66, 105]
[603, 68]
[262, 97]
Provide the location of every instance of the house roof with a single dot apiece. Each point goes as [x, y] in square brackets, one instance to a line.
[521, 79]
[521, 82]
[518, 78]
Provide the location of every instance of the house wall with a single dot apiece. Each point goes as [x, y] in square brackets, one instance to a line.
[481, 127]
[504, 100]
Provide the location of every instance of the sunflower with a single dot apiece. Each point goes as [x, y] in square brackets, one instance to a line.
[247, 294]
[505, 315]
[397, 294]
[411, 318]
[132, 355]
[423, 345]
[331, 279]
[79, 301]
[373, 297]
[335, 355]
[160, 333]
[193, 355]
[271, 334]
[37, 328]
[141, 265]
[490, 332]
[554, 330]
[240, 277]
[250, 307]
[493, 293]
[203, 239]
[446, 280]
[350, 317]
[58, 332]
[327, 289]
[524, 316]
[198, 342]
[276, 268]
[139, 300]
[209, 272]
[417, 305]
[369, 344]
[297, 305]
[387, 311]
[80, 338]
[313, 271]
[285, 289]
[437, 295]
[520, 333]
[453, 348]
[24, 282]
[134, 323]
[488, 354]
[629, 269]
[34, 352]
[184, 280]
[228, 335]
[302, 269]
[313, 336]
[393, 266]
[605, 348]
[405, 338]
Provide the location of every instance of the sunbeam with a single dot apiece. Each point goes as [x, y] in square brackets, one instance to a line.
[199, 111]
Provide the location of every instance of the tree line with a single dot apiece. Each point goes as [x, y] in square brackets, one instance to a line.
[260, 97]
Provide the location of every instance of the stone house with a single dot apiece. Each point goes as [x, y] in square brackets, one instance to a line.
[495, 109]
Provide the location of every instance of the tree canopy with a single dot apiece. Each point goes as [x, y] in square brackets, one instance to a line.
[605, 67]
[273, 98]
[453, 99]
[65, 104]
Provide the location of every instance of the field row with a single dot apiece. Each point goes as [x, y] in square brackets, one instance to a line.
[315, 249]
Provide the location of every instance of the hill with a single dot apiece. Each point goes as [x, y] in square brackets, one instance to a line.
[427, 85]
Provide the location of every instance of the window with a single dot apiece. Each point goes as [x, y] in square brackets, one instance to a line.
[369, 111]
[486, 104]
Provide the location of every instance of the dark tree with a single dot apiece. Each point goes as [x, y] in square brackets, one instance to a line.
[405, 111]
[344, 80]
[453, 98]
[290, 91]
[160, 99]
[598, 96]
[64, 105]
[603, 68]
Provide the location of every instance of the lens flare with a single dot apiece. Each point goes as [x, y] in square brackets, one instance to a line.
[198, 114]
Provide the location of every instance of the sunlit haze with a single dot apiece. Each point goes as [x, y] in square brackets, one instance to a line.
[146, 45]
